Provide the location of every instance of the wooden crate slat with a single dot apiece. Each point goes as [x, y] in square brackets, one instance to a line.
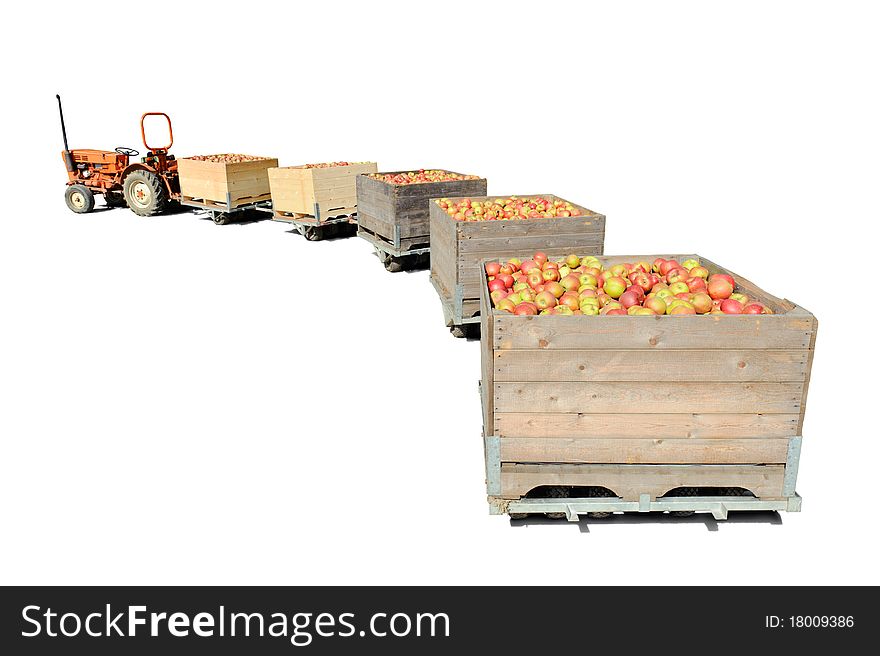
[649, 397]
[748, 365]
[644, 450]
[669, 425]
[630, 481]
[775, 331]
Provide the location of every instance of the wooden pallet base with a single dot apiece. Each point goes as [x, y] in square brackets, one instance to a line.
[406, 247]
[238, 204]
[342, 215]
[573, 508]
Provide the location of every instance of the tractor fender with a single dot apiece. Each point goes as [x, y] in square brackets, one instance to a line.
[138, 166]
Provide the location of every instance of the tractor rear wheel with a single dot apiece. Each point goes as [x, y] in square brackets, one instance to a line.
[145, 193]
[79, 199]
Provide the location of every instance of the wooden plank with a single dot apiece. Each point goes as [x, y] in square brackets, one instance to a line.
[487, 385]
[777, 331]
[657, 425]
[629, 481]
[729, 451]
[649, 397]
[443, 252]
[645, 364]
[815, 329]
[524, 246]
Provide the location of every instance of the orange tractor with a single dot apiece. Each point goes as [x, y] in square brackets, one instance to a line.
[147, 187]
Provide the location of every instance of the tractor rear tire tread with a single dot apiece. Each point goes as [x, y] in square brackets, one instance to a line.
[160, 194]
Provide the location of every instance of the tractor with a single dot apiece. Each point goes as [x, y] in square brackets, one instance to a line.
[146, 187]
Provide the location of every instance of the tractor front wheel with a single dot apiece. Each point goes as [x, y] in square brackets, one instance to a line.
[79, 199]
[145, 193]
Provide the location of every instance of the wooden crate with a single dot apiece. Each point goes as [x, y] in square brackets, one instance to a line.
[642, 405]
[228, 184]
[316, 192]
[459, 247]
[398, 214]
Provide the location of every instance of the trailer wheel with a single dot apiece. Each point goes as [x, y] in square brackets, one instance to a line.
[393, 264]
[557, 493]
[600, 493]
[458, 331]
[145, 193]
[219, 218]
[312, 234]
[518, 515]
[114, 199]
[79, 199]
[683, 492]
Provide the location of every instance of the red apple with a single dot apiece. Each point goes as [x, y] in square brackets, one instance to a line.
[723, 276]
[550, 274]
[700, 272]
[570, 299]
[656, 304]
[570, 281]
[731, 306]
[493, 268]
[528, 265]
[702, 302]
[554, 288]
[667, 265]
[497, 285]
[629, 298]
[545, 300]
[719, 288]
[615, 286]
[696, 284]
[506, 305]
[526, 309]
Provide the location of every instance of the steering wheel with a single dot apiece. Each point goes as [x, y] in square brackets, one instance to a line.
[122, 150]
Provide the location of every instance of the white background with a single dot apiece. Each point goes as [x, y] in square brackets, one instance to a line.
[186, 403]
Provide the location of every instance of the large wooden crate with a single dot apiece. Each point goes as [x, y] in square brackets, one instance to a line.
[228, 184]
[398, 214]
[459, 248]
[643, 405]
[317, 192]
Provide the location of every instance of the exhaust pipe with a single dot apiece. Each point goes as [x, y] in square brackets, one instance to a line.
[68, 158]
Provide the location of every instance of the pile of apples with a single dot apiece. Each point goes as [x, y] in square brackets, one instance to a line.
[503, 209]
[227, 158]
[329, 165]
[421, 176]
[581, 285]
